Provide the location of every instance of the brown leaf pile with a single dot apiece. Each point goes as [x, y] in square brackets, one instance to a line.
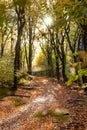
[43, 95]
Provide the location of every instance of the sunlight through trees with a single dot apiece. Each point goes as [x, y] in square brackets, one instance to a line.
[55, 29]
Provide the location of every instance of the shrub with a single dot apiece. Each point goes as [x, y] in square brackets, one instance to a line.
[4, 92]
[60, 116]
[75, 77]
[18, 101]
[6, 70]
[41, 59]
[23, 76]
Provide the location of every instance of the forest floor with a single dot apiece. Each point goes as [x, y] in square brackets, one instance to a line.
[44, 104]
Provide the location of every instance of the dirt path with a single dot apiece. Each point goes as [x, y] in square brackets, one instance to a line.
[46, 97]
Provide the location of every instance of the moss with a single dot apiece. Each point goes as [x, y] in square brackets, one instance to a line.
[39, 115]
[63, 117]
[4, 92]
[18, 102]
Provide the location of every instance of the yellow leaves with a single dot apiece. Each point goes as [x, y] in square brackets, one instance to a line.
[2, 12]
[2, 9]
[2, 5]
[75, 64]
[84, 64]
[40, 59]
[83, 56]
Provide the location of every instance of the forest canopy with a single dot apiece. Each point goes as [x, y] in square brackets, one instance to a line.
[43, 37]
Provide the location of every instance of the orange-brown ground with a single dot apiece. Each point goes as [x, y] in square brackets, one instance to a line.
[42, 95]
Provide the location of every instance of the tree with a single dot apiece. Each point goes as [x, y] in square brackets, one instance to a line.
[20, 11]
[3, 25]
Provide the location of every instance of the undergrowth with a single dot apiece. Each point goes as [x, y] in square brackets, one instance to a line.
[4, 92]
[61, 116]
[18, 102]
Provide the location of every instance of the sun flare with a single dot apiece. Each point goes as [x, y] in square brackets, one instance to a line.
[48, 20]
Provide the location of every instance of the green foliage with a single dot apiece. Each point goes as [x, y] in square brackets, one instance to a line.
[6, 70]
[82, 72]
[18, 102]
[71, 79]
[22, 76]
[75, 77]
[2, 12]
[53, 114]
[61, 116]
[39, 115]
[3, 92]
[21, 3]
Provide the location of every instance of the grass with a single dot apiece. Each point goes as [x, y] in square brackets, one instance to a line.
[53, 114]
[61, 116]
[4, 92]
[39, 115]
[18, 102]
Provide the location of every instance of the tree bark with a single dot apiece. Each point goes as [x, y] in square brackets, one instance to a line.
[20, 26]
[2, 50]
[57, 68]
[63, 60]
[84, 36]
[49, 54]
[30, 47]
[56, 50]
[2, 44]
[17, 57]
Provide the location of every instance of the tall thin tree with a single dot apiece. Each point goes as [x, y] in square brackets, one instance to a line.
[20, 11]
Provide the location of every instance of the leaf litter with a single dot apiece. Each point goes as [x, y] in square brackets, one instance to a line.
[57, 107]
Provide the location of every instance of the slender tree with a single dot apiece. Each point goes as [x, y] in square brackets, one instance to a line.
[20, 11]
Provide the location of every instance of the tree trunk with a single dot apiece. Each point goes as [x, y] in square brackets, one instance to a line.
[63, 60]
[17, 58]
[49, 58]
[64, 69]
[56, 50]
[26, 56]
[2, 50]
[11, 47]
[57, 68]
[49, 55]
[84, 36]
[30, 47]
[2, 45]
[84, 44]
[20, 25]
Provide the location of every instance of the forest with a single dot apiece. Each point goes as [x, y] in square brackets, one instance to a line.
[43, 64]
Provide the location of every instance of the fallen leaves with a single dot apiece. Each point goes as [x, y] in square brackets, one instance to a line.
[52, 102]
